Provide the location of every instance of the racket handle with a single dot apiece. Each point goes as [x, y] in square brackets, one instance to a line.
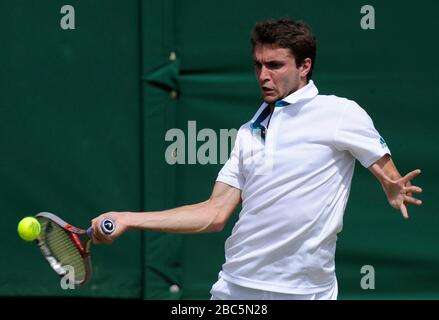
[107, 227]
[90, 232]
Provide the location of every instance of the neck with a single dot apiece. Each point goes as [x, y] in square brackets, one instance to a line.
[302, 83]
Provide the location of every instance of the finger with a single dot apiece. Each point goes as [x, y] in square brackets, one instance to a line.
[99, 240]
[97, 236]
[409, 190]
[96, 239]
[409, 176]
[404, 212]
[412, 200]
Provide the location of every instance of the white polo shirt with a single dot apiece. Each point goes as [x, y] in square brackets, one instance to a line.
[294, 186]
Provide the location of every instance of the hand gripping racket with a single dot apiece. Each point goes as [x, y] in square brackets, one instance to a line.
[61, 245]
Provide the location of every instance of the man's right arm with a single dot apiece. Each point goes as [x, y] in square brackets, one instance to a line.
[208, 216]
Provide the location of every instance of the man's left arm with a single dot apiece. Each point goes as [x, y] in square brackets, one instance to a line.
[398, 189]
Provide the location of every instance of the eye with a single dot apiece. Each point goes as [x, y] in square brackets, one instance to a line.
[257, 65]
[274, 65]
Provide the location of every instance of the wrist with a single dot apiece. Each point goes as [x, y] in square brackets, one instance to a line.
[126, 219]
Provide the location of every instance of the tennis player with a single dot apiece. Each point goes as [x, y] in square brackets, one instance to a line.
[291, 168]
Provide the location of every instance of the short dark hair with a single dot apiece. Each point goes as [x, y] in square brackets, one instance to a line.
[285, 33]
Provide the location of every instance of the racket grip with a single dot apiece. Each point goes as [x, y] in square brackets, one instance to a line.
[90, 232]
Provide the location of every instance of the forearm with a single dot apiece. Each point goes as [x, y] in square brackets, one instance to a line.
[196, 218]
[207, 216]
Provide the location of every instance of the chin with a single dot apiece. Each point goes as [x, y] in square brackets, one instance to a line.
[270, 99]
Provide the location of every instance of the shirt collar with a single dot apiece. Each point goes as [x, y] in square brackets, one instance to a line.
[305, 93]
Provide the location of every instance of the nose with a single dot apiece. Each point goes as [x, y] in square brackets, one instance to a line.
[263, 75]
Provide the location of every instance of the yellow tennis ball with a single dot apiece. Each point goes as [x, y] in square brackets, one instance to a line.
[29, 228]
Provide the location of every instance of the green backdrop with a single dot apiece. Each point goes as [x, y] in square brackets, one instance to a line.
[84, 113]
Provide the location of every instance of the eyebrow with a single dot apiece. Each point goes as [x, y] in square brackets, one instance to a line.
[269, 61]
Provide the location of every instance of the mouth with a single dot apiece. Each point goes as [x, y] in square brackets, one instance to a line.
[267, 90]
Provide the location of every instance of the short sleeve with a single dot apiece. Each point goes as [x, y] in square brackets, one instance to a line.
[357, 134]
[231, 172]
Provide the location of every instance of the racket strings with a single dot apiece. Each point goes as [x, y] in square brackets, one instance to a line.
[61, 250]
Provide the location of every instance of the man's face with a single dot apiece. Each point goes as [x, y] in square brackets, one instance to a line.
[276, 72]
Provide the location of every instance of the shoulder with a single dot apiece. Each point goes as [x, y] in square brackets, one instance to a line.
[340, 104]
[245, 126]
[333, 100]
[243, 132]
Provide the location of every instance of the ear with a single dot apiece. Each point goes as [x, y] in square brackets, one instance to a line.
[305, 67]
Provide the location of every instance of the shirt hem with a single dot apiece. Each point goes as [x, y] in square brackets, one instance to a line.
[230, 182]
[273, 287]
[375, 158]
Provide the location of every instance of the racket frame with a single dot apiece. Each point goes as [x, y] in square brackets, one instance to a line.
[74, 233]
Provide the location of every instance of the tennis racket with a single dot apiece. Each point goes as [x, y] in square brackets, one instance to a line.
[61, 245]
